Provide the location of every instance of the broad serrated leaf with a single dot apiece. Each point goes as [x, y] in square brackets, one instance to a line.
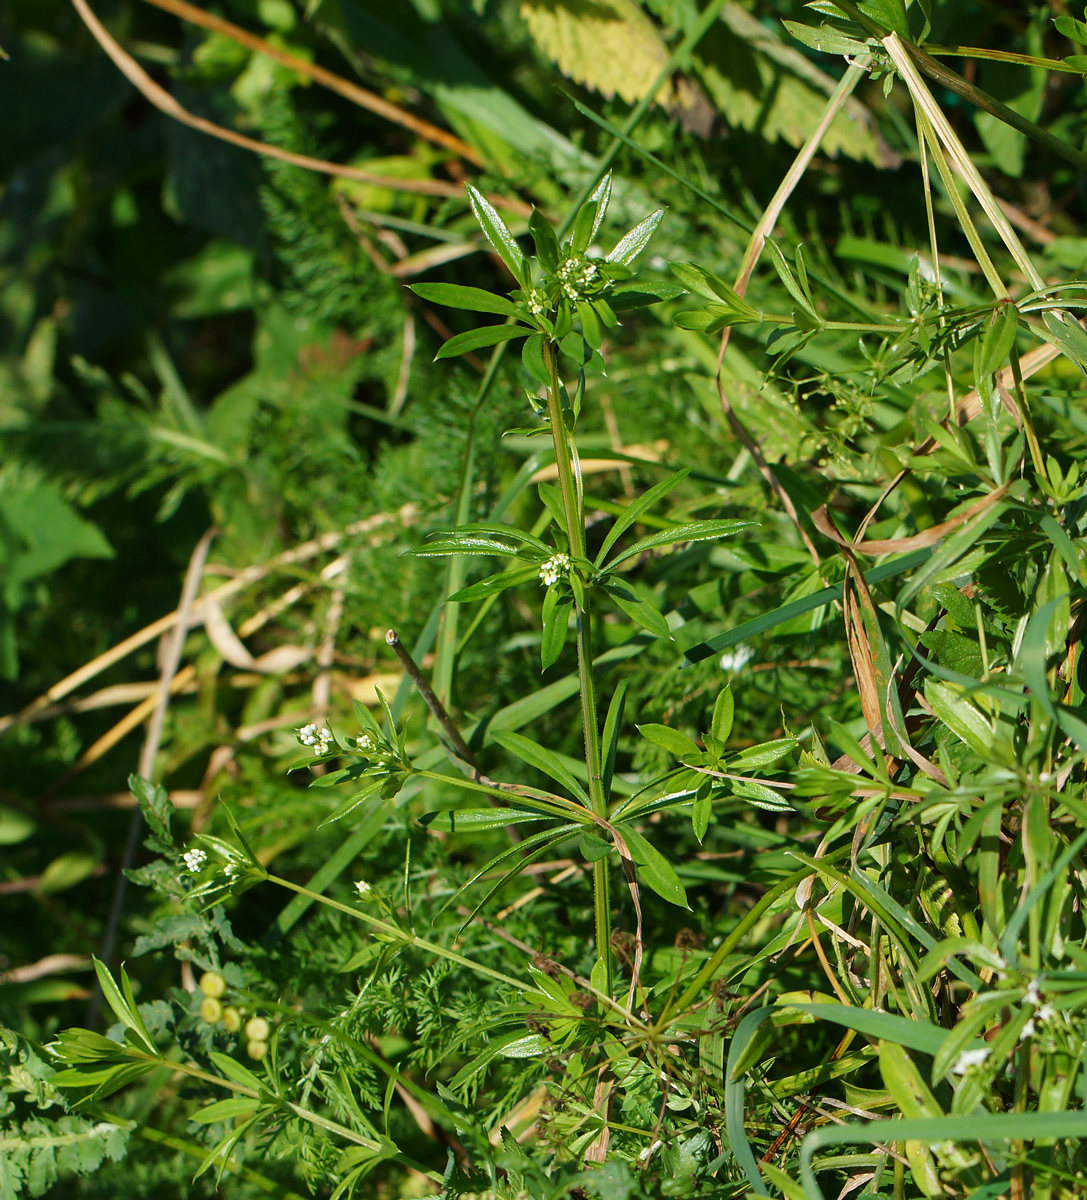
[609, 46]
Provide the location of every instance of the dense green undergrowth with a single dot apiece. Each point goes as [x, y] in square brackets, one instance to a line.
[598, 575]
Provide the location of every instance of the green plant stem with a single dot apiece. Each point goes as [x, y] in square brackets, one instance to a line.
[750, 918]
[403, 937]
[955, 83]
[303, 1114]
[199, 1152]
[1008, 56]
[564, 809]
[575, 531]
[1036, 455]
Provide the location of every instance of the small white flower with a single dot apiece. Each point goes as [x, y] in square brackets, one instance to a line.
[363, 888]
[537, 302]
[737, 658]
[1034, 994]
[1028, 1029]
[969, 1059]
[364, 742]
[555, 566]
[194, 860]
[313, 735]
[1046, 1013]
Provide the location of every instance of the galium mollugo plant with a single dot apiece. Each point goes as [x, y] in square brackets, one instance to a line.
[566, 297]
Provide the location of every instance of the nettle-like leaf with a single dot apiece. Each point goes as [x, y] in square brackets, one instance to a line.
[610, 46]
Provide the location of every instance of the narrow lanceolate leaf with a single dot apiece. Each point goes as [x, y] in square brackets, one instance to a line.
[640, 610]
[635, 509]
[476, 339]
[654, 869]
[493, 584]
[498, 234]
[960, 715]
[697, 531]
[547, 245]
[479, 820]
[556, 618]
[123, 1005]
[636, 240]
[825, 39]
[602, 196]
[225, 1110]
[474, 544]
[787, 277]
[543, 760]
[668, 739]
[613, 725]
[453, 295]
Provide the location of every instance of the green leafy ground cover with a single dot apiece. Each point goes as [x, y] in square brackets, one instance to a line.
[703, 410]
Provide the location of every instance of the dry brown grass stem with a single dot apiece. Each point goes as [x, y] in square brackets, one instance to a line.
[328, 79]
[166, 103]
[243, 579]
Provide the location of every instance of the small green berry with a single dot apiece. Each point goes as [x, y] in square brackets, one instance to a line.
[211, 1010]
[257, 1029]
[232, 1020]
[212, 984]
[257, 1049]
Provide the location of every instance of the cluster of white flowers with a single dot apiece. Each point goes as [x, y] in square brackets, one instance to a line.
[1042, 1012]
[969, 1059]
[313, 735]
[537, 302]
[737, 658]
[556, 565]
[575, 274]
[194, 860]
[364, 742]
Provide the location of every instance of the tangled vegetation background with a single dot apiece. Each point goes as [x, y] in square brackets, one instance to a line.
[792, 517]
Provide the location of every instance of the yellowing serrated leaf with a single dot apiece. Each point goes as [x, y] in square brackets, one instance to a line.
[761, 84]
[610, 46]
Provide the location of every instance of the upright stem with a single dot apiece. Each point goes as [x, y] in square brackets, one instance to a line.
[575, 530]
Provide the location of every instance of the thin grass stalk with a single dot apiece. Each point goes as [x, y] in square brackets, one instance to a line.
[575, 531]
